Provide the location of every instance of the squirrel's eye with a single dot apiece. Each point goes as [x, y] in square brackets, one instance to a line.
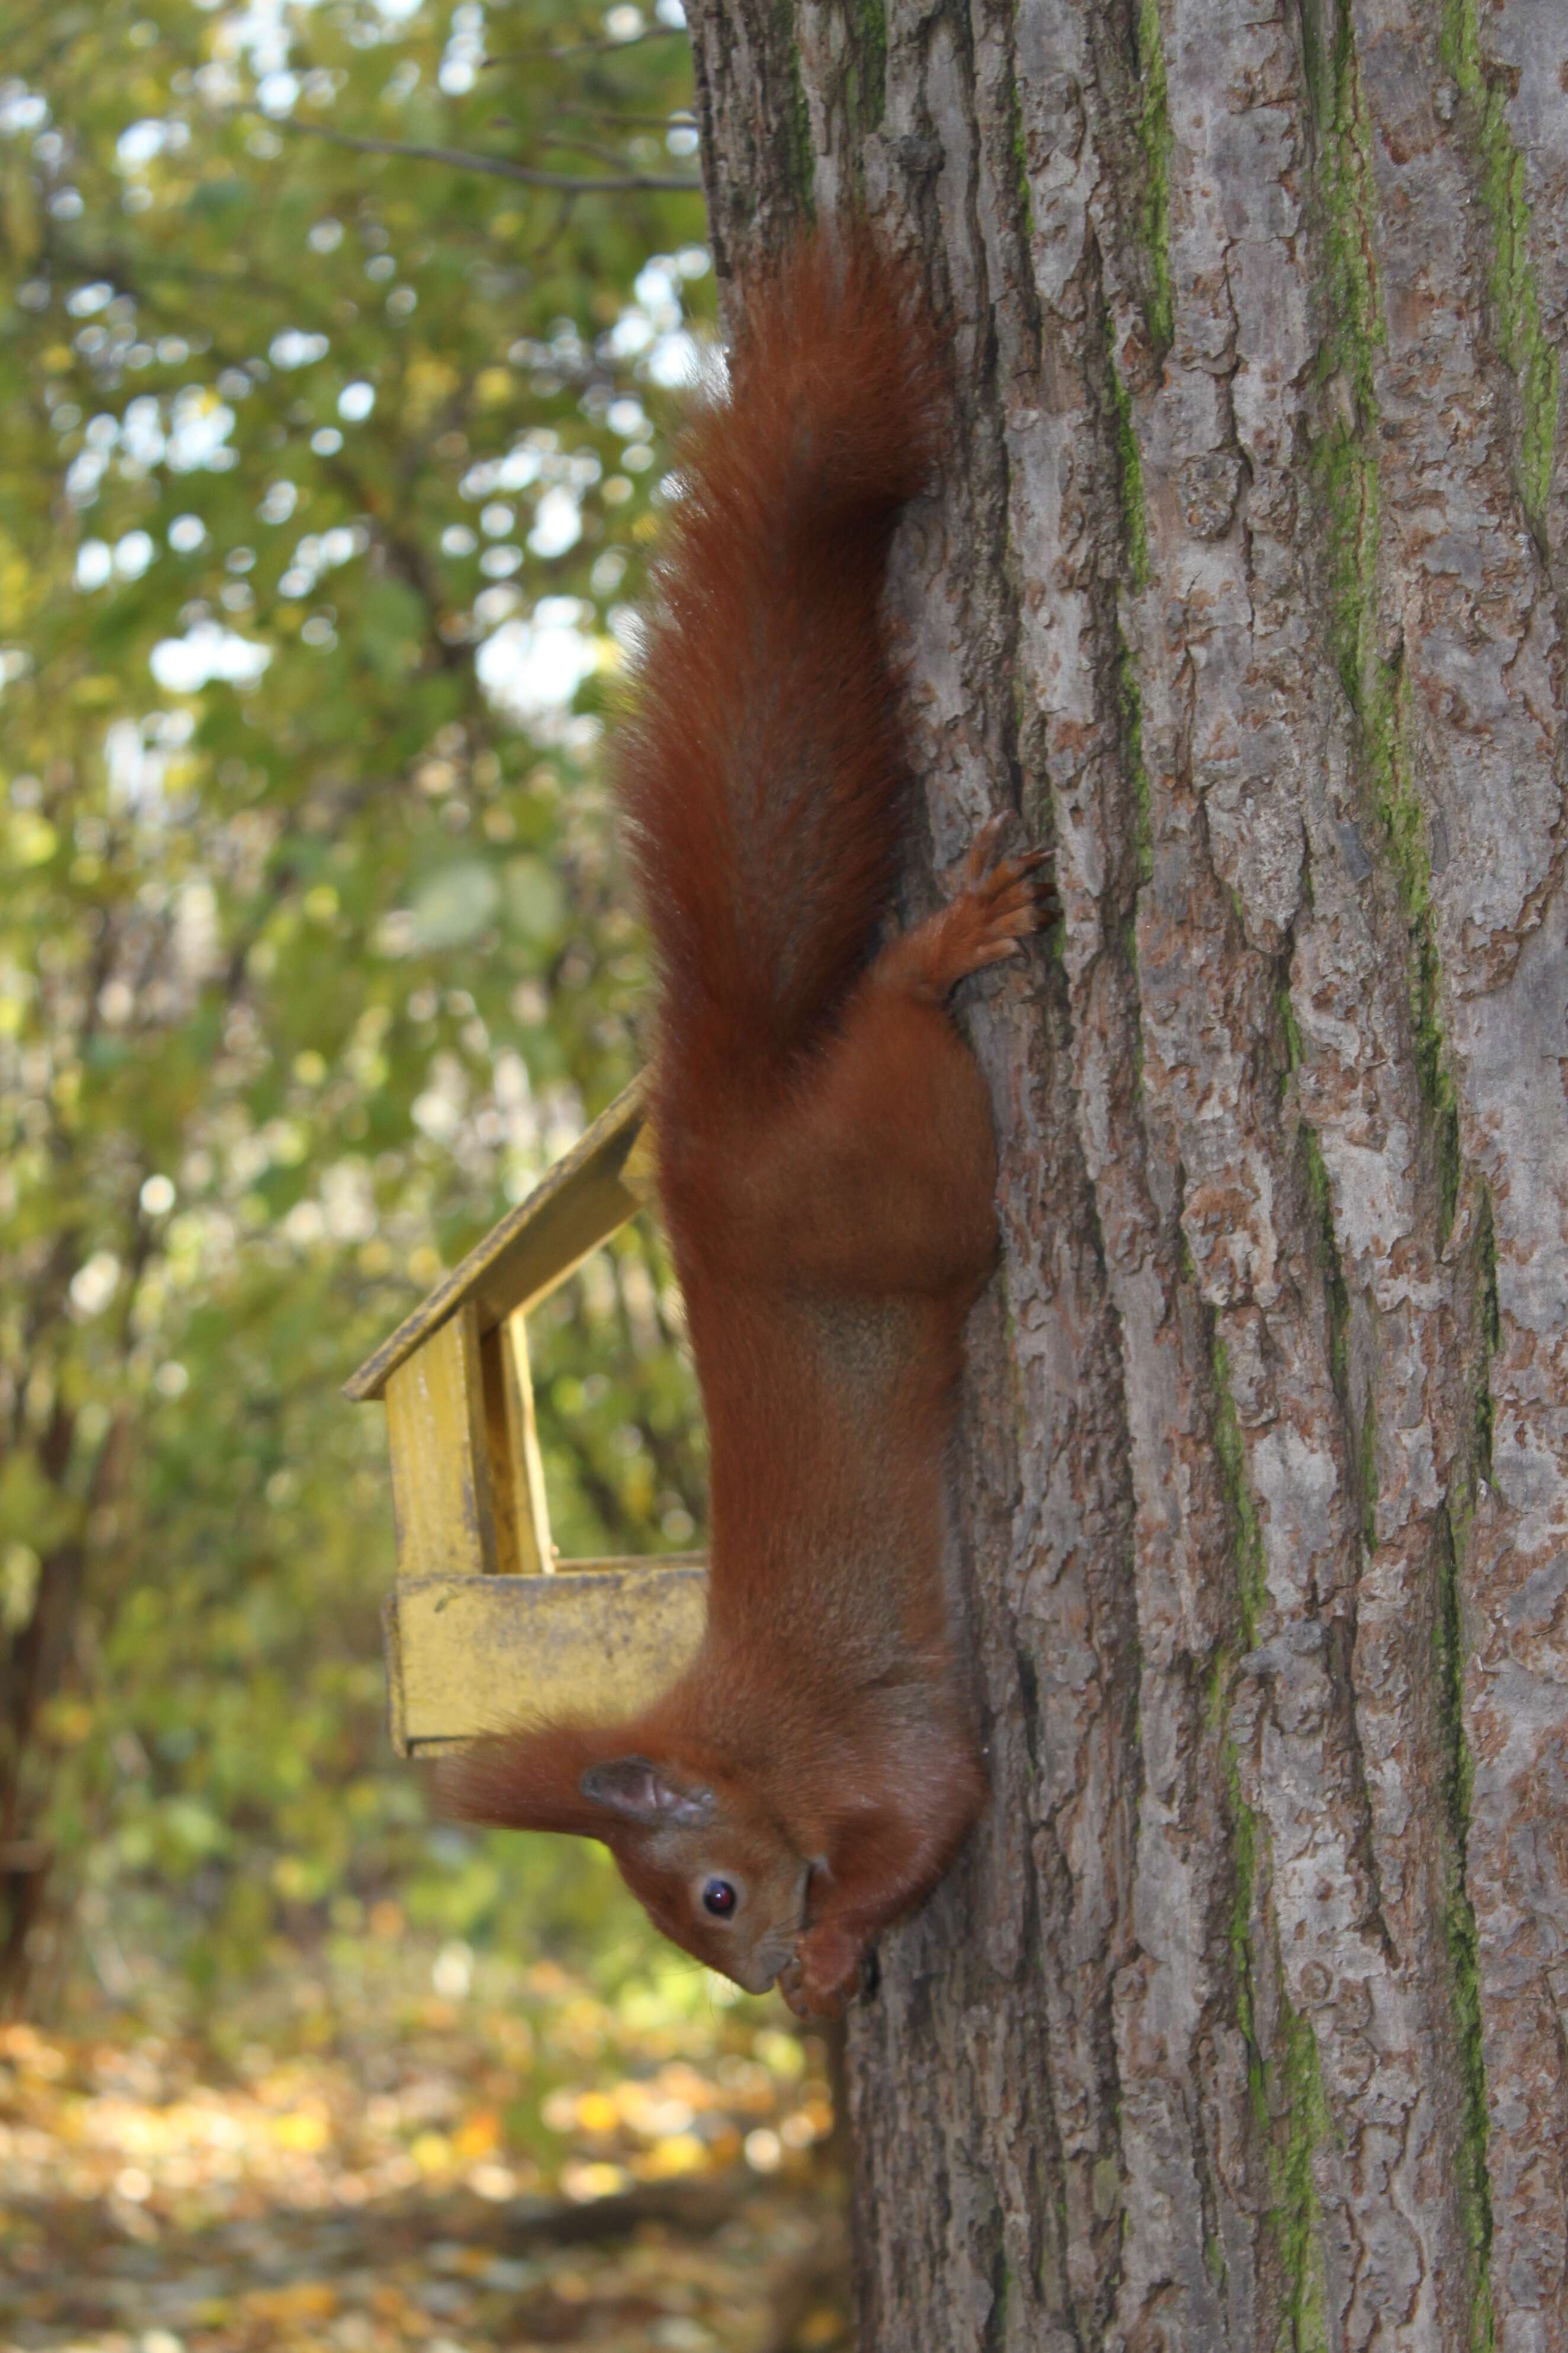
[718, 1897]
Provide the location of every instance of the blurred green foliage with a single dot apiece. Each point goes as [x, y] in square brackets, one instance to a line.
[327, 485]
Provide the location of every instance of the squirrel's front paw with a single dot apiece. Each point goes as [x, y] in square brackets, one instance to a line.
[824, 1973]
[791, 1985]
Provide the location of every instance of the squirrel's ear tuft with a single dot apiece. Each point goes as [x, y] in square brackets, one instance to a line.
[643, 1792]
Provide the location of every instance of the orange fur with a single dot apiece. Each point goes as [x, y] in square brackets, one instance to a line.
[826, 1173]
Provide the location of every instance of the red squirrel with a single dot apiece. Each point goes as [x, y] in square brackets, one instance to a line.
[825, 1173]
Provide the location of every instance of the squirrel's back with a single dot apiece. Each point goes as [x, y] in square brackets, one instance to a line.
[762, 772]
[826, 1170]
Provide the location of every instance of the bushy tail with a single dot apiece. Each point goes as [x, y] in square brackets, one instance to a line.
[760, 774]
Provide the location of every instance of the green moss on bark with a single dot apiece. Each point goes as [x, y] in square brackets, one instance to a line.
[1286, 2084]
[1246, 1534]
[1154, 206]
[871, 70]
[1490, 1320]
[797, 119]
[1458, 1919]
[1002, 2287]
[1366, 1473]
[1130, 697]
[1291, 1029]
[1129, 478]
[1238, 1930]
[1465, 1487]
[1404, 826]
[1521, 337]
[1320, 1194]
[1298, 2214]
[1459, 1938]
[1345, 450]
[1020, 147]
[1335, 1290]
[1287, 2094]
[1344, 462]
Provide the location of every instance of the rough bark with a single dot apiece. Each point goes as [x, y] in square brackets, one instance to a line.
[1241, 2025]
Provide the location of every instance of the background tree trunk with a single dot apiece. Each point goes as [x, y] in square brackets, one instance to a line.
[1241, 2024]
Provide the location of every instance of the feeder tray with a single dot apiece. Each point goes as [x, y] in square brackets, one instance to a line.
[483, 1626]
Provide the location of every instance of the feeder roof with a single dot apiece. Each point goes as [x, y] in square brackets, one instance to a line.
[590, 1191]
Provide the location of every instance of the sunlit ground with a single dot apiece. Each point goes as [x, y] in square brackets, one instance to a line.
[414, 2150]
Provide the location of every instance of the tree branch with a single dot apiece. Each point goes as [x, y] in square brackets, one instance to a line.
[587, 49]
[679, 118]
[498, 167]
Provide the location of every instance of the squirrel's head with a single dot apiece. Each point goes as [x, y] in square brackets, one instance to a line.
[713, 1874]
[714, 1871]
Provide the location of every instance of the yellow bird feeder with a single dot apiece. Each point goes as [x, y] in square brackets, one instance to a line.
[483, 1626]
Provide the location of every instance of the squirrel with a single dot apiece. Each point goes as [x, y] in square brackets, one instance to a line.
[826, 1172]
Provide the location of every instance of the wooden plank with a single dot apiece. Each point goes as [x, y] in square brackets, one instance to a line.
[469, 1655]
[441, 1496]
[392, 1650]
[517, 1472]
[505, 1475]
[535, 1247]
[639, 1170]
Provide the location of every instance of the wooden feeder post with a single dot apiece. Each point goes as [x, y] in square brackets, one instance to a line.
[484, 1629]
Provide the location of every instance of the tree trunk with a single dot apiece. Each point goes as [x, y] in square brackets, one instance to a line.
[1241, 2023]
